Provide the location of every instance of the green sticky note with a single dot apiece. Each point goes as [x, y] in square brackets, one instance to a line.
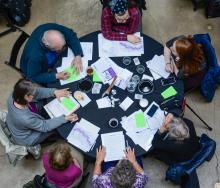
[96, 77]
[169, 92]
[140, 120]
[68, 103]
[73, 75]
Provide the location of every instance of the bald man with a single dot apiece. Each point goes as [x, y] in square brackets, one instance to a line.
[42, 50]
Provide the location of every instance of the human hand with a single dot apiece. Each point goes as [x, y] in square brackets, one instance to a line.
[169, 67]
[130, 155]
[62, 93]
[62, 75]
[166, 122]
[77, 64]
[72, 117]
[100, 154]
[133, 39]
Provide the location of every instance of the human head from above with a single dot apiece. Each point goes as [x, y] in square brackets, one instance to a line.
[54, 40]
[123, 175]
[177, 129]
[60, 157]
[189, 52]
[23, 92]
[120, 10]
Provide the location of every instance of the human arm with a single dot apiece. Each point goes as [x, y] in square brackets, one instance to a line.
[100, 156]
[130, 155]
[106, 27]
[168, 59]
[135, 18]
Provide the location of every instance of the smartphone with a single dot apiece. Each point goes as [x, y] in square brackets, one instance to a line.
[152, 110]
[168, 81]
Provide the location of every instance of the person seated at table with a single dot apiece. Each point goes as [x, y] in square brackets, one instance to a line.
[127, 173]
[62, 169]
[118, 22]
[42, 50]
[184, 57]
[175, 141]
[24, 119]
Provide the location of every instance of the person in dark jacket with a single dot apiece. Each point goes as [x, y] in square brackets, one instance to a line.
[45, 45]
[175, 141]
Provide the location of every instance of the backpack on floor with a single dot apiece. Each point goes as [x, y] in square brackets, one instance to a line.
[212, 8]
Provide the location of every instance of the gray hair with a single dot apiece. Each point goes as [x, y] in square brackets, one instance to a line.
[178, 129]
[48, 40]
[123, 175]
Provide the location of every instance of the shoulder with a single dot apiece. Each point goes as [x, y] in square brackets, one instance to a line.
[107, 11]
[134, 11]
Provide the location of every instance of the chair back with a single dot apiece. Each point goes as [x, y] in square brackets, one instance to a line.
[15, 50]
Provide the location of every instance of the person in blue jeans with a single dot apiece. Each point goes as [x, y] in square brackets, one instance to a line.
[126, 172]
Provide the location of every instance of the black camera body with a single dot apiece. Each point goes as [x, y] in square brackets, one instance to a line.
[16, 11]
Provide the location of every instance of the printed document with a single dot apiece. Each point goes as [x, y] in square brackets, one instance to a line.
[114, 144]
[83, 135]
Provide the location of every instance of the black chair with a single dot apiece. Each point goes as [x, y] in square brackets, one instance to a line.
[39, 181]
[15, 50]
[188, 88]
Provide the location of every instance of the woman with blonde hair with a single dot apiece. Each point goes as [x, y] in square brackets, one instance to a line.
[62, 169]
[175, 141]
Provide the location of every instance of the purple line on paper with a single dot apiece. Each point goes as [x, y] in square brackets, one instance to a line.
[83, 133]
[131, 47]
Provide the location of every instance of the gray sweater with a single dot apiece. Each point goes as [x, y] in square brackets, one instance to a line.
[26, 126]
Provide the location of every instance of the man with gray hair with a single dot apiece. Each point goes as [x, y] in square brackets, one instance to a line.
[42, 50]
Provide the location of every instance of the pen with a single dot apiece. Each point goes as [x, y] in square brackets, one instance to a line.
[167, 100]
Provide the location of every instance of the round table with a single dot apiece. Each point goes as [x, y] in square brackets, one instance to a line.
[101, 117]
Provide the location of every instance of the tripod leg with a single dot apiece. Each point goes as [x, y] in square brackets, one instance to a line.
[209, 128]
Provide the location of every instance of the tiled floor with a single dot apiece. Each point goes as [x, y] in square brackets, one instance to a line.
[163, 20]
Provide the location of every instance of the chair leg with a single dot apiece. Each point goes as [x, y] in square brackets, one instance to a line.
[208, 127]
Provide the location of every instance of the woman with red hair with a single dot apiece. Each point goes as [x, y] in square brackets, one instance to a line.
[185, 58]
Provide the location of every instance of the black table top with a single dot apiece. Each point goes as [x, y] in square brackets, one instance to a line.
[101, 117]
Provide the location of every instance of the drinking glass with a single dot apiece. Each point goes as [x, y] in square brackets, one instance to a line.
[140, 69]
[131, 86]
[136, 79]
[126, 60]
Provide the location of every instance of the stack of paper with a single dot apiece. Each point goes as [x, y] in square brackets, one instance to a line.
[126, 103]
[84, 100]
[108, 48]
[106, 70]
[136, 122]
[83, 135]
[67, 66]
[104, 102]
[114, 144]
[157, 67]
[156, 121]
[65, 106]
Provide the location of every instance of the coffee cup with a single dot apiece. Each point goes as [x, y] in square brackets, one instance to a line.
[89, 71]
[113, 122]
[143, 103]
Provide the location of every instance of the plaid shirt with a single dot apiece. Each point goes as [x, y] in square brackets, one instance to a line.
[113, 30]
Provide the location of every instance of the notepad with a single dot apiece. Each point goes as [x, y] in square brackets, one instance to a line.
[72, 72]
[140, 120]
[169, 92]
[65, 106]
[68, 103]
[96, 77]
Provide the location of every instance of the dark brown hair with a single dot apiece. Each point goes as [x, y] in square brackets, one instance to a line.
[22, 88]
[60, 157]
[191, 55]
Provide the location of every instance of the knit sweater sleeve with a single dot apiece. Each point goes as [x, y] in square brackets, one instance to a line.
[36, 122]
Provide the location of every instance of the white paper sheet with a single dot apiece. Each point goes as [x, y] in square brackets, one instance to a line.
[83, 135]
[114, 144]
[87, 48]
[147, 77]
[158, 64]
[104, 102]
[109, 48]
[86, 100]
[156, 121]
[56, 108]
[126, 103]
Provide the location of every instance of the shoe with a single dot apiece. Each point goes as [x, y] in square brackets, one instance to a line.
[35, 151]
